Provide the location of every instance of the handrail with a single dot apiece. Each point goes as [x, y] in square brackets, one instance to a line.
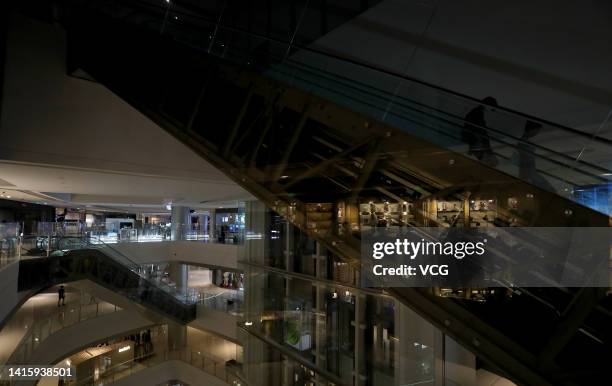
[187, 355]
[133, 266]
[540, 156]
[370, 66]
[9, 244]
[30, 340]
[294, 356]
[319, 72]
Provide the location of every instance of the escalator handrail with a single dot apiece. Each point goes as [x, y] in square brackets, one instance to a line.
[370, 66]
[461, 119]
[543, 157]
[131, 265]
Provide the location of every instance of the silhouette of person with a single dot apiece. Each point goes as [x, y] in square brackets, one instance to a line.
[61, 296]
[222, 235]
[526, 158]
[475, 134]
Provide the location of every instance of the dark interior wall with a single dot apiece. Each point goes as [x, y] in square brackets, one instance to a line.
[26, 213]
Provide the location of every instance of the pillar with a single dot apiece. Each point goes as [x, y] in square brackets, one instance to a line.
[360, 363]
[202, 219]
[177, 336]
[180, 218]
[179, 274]
[257, 370]
[212, 220]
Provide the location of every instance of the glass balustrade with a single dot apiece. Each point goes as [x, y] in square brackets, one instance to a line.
[66, 316]
[214, 367]
[10, 248]
[122, 357]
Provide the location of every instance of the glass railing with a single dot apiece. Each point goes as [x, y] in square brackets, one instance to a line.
[77, 258]
[560, 159]
[229, 301]
[93, 242]
[41, 245]
[218, 369]
[65, 316]
[51, 239]
[35, 242]
[9, 243]
[151, 233]
[283, 367]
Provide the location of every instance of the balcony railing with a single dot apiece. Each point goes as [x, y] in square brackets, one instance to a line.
[65, 316]
[214, 367]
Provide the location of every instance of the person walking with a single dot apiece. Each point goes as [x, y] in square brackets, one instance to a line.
[61, 296]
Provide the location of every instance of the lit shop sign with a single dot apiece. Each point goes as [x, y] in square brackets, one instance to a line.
[124, 348]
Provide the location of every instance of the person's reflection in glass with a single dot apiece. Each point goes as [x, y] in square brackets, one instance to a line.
[475, 133]
[526, 158]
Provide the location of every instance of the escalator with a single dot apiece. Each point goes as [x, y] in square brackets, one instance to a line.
[293, 143]
[80, 259]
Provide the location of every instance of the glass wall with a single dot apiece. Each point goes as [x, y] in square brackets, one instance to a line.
[307, 301]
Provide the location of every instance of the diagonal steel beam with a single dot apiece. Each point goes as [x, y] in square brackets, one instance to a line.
[291, 145]
[238, 122]
[327, 163]
[368, 166]
[268, 110]
[196, 108]
[573, 317]
[271, 116]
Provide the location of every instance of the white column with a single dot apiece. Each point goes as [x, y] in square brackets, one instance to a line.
[211, 225]
[179, 274]
[177, 335]
[180, 219]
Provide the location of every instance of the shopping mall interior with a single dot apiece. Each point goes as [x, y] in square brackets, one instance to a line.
[185, 186]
